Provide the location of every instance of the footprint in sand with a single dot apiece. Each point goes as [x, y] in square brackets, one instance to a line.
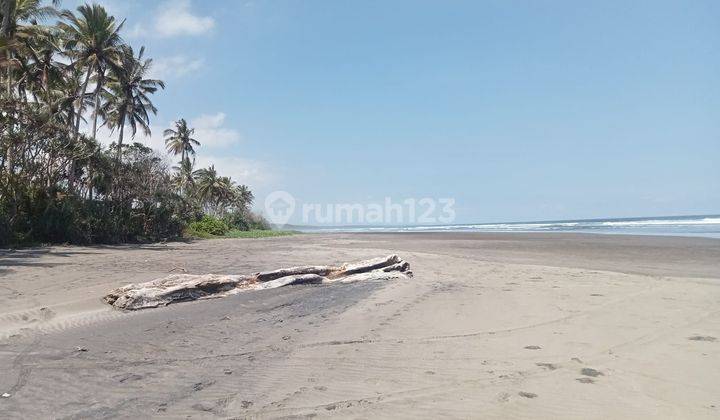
[504, 397]
[586, 380]
[548, 366]
[591, 372]
[702, 338]
[533, 347]
[527, 394]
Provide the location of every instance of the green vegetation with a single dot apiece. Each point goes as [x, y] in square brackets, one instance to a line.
[258, 233]
[191, 233]
[60, 70]
[210, 225]
[232, 226]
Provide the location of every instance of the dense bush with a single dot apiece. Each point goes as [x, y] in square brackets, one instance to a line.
[246, 220]
[59, 218]
[210, 225]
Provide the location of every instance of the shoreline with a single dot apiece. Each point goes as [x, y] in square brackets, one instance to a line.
[557, 232]
[488, 321]
[281, 233]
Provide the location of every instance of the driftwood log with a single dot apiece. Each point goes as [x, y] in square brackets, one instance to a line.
[185, 287]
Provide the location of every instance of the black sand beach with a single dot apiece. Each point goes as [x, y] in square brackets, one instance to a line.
[492, 325]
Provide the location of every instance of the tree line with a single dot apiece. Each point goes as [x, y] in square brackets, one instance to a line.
[61, 70]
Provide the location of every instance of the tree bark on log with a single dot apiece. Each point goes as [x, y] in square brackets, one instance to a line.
[186, 287]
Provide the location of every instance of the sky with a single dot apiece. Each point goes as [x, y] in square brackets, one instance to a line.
[517, 110]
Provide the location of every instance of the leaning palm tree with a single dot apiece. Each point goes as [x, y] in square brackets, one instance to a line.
[180, 141]
[127, 93]
[94, 44]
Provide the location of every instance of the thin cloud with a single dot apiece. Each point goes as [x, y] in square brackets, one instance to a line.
[175, 19]
[243, 171]
[136, 31]
[175, 66]
[210, 131]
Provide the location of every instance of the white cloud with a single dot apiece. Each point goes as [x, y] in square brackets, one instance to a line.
[243, 171]
[113, 7]
[155, 140]
[175, 66]
[175, 18]
[209, 121]
[209, 131]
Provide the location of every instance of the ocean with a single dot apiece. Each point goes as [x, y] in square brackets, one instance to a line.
[704, 226]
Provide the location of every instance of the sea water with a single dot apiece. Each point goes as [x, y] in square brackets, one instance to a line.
[706, 226]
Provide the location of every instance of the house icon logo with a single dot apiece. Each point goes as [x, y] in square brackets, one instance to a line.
[279, 207]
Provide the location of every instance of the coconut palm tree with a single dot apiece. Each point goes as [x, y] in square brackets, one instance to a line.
[207, 183]
[45, 71]
[214, 192]
[94, 44]
[180, 141]
[12, 14]
[127, 93]
[183, 178]
[244, 197]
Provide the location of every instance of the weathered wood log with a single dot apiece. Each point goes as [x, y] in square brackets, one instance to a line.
[320, 270]
[369, 265]
[185, 287]
[175, 288]
[294, 279]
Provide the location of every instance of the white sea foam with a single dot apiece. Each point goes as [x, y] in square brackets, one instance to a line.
[696, 226]
[665, 222]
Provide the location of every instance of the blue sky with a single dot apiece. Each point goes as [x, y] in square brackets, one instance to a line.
[519, 110]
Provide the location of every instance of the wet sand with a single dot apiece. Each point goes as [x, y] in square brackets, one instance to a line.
[491, 326]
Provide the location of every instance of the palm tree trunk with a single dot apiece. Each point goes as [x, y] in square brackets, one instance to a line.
[120, 141]
[98, 88]
[79, 112]
[7, 9]
[8, 56]
[76, 131]
[6, 12]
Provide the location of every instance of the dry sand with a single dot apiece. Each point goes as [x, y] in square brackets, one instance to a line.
[492, 326]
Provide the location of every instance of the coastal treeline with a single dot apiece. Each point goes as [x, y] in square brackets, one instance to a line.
[63, 75]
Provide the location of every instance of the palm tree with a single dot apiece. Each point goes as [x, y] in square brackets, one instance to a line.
[127, 93]
[45, 70]
[244, 197]
[212, 190]
[12, 14]
[94, 44]
[207, 183]
[183, 179]
[180, 141]
[220, 193]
